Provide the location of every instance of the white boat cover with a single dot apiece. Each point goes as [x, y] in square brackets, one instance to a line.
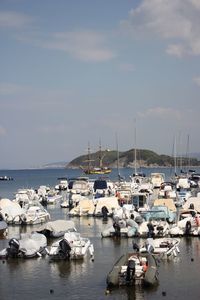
[10, 208]
[85, 207]
[58, 226]
[166, 202]
[192, 200]
[111, 203]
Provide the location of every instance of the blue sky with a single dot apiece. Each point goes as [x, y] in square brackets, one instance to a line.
[74, 72]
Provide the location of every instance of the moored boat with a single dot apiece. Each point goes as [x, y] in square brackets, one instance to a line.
[72, 246]
[28, 246]
[133, 269]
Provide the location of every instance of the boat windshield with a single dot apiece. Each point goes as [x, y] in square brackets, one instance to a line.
[100, 185]
[138, 200]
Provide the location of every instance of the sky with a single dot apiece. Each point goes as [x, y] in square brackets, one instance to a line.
[88, 71]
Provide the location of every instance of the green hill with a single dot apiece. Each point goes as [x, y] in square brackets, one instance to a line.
[145, 158]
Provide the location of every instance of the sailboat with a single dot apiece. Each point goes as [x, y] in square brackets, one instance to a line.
[99, 170]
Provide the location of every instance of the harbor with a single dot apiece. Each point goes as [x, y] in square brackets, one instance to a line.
[86, 279]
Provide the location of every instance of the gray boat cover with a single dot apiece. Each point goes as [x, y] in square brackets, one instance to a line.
[57, 227]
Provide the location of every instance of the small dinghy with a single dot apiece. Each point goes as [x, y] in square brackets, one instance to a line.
[72, 246]
[30, 245]
[133, 269]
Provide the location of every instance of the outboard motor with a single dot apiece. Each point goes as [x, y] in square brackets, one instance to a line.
[13, 249]
[188, 227]
[130, 270]
[150, 233]
[65, 249]
[136, 248]
[160, 229]
[104, 211]
[191, 206]
[117, 228]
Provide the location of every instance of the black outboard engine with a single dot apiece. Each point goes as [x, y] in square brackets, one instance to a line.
[130, 271]
[191, 206]
[150, 233]
[65, 249]
[104, 211]
[117, 228]
[160, 229]
[13, 249]
[136, 248]
[188, 227]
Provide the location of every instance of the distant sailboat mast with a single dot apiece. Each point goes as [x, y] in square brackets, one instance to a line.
[135, 151]
[175, 167]
[117, 146]
[188, 152]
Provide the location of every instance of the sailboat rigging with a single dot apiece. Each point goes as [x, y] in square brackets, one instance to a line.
[100, 169]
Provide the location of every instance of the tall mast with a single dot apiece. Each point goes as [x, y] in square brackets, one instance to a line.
[89, 160]
[117, 146]
[175, 156]
[100, 154]
[188, 151]
[135, 151]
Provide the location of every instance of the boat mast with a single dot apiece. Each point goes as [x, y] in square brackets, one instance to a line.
[100, 154]
[89, 160]
[135, 151]
[117, 146]
[188, 152]
[175, 157]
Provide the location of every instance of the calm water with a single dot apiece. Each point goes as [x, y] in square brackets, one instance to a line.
[42, 279]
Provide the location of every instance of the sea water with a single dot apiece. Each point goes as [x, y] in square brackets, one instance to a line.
[41, 279]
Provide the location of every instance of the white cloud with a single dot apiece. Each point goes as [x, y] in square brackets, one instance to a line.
[177, 20]
[161, 112]
[83, 45]
[12, 19]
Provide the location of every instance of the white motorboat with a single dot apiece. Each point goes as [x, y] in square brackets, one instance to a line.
[188, 223]
[72, 246]
[35, 213]
[81, 186]
[161, 247]
[28, 246]
[154, 227]
[121, 227]
[62, 185]
[157, 179]
[53, 197]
